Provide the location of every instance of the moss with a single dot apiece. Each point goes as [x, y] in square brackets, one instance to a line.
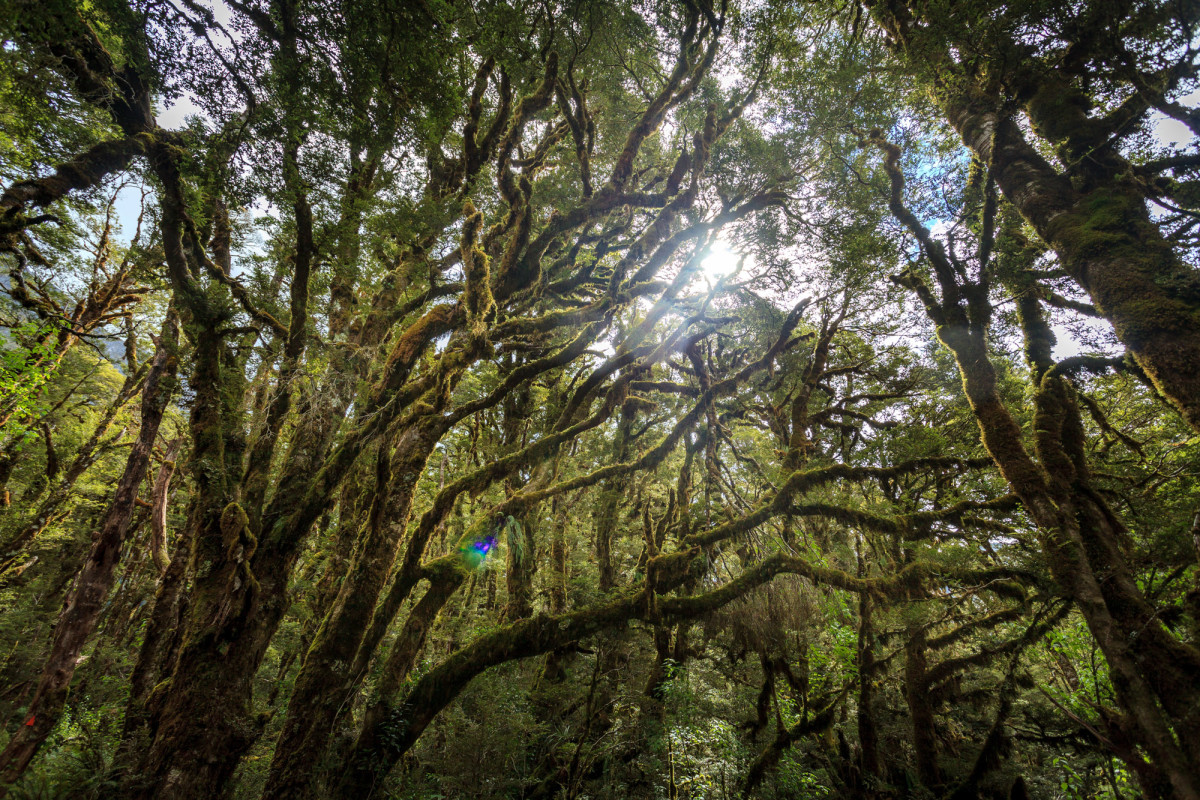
[477, 296]
[157, 694]
[1097, 226]
[1059, 114]
[234, 528]
[1109, 244]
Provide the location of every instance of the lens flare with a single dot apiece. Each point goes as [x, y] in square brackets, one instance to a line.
[477, 552]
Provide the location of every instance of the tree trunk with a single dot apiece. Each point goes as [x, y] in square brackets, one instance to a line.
[378, 717]
[1106, 241]
[160, 644]
[158, 511]
[916, 694]
[558, 562]
[324, 681]
[613, 492]
[520, 566]
[868, 736]
[1096, 220]
[1156, 677]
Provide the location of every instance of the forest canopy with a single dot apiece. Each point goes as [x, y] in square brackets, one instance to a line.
[599, 399]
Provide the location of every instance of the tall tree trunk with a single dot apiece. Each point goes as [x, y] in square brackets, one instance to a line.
[868, 735]
[916, 695]
[160, 643]
[377, 716]
[1107, 242]
[520, 566]
[1156, 677]
[520, 558]
[613, 492]
[158, 510]
[558, 557]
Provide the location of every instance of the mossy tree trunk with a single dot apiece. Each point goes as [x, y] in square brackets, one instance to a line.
[868, 735]
[920, 708]
[323, 683]
[609, 512]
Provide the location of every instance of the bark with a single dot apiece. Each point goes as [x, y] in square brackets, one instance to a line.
[868, 735]
[613, 492]
[1156, 677]
[239, 596]
[520, 566]
[378, 716]
[558, 560]
[656, 683]
[78, 619]
[160, 643]
[521, 551]
[1148, 665]
[194, 743]
[84, 171]
[391, 727]
[1107, 242]
[554, 669]
[200, 714]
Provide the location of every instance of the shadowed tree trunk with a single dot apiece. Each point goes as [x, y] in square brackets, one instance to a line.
[495, 231]
[916, 695]
[160, 643]
[608, 515]
[868, 736]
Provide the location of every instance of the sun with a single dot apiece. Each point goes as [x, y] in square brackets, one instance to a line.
[721, 261]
